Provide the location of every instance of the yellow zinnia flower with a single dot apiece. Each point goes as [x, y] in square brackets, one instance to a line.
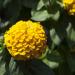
[69, 5]
[25, 40]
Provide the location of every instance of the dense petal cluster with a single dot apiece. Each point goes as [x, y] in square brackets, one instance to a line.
[25, 40]
[69, 5]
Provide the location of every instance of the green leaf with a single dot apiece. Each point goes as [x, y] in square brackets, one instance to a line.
[1, 44]
[43, 15]
[40, 5]
[12, 65]
[60, 3]
[5, 24]
[51, 64]
[28, 67]
[70, 32]
[2, 68]
[54, 37]
[46, 2]
[44, 54]
[40, 15]
[56, 16]
[14, 68]
[69, 29]
[53, 59]
[53, 2]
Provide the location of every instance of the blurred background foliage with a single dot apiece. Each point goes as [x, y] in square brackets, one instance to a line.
[59, 58]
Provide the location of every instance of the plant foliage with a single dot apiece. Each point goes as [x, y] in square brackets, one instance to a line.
[59, 58]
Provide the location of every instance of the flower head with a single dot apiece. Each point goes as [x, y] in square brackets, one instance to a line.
[25, 40]
[69, 5]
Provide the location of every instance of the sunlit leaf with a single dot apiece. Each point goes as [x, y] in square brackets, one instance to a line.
[56, 16]
[70, 32]
[40, 5]
[51, 64]
[46, 3]
[55, 38]
[40, 15]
